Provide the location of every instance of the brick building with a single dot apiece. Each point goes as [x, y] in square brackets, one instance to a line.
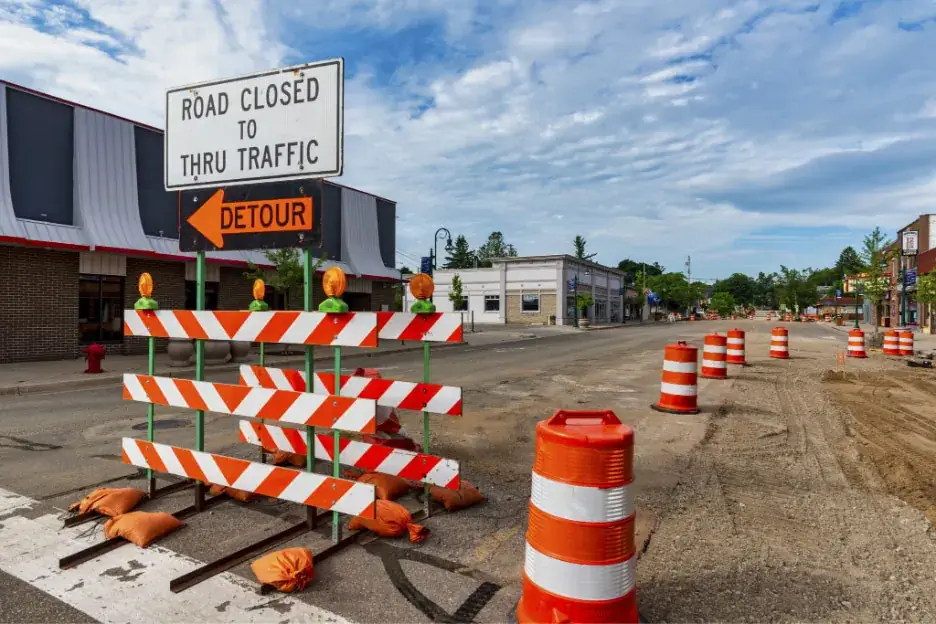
[83, 212]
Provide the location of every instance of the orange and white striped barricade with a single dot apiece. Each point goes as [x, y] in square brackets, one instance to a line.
[750, 317]
[306, 488]
[433, 327]
[287, 406]
[906, 342]
[715, 357]
[679, 385]
[389, 395]
[788, 317]
[368, 457]
[581, 562]
[891, 344]
[827, 318]
[856, 344]
[736, 354]
[351, 329]
[780, 343]
[421, 397]
[769, 316]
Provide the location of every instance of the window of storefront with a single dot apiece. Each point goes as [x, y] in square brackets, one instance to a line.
[492, 303]
[211, 295]
[530, 303]
[100, 308]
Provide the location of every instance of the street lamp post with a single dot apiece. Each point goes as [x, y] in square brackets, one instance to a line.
[858, 290]
[575, 305]
[440, 234]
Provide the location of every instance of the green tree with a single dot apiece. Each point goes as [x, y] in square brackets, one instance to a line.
[456, 296]
[741, 287]
[765, 291]
[722, 302]
[672, 289]
[495, 247]
[875, 254]
[849, 262]
[405, 269]
[289, 270]
[636, 269]
[926, 294]
[579, 244]
[461, 256]
[584, 301]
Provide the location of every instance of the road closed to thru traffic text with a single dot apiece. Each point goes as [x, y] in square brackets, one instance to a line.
[277, 125]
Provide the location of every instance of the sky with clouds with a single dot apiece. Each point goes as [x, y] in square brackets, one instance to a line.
[748, 133]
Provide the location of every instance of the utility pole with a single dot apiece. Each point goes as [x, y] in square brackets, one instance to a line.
[689, 278]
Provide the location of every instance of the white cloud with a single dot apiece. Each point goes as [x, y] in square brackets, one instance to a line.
[655, 128]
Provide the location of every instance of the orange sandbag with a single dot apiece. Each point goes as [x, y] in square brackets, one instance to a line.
[388, 487]
[240, 495]
[284, 457]
[109, 501]
[466, 496]
[393, 520]
[287, 570]
[141, 527]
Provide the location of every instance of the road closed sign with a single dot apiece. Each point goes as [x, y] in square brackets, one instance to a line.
[273, 126]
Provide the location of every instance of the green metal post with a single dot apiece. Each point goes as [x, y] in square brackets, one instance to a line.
[151, 416]
[336, 449]
[427, 504]
[903, 297]
[857, 293]
[307, 276]
[200, 372]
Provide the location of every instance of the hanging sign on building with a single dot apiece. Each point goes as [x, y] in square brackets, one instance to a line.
[910, 240]
[278, 125]
[262, 216]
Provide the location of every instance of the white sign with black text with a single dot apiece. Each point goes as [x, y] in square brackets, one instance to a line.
[911, 242]
[272, 126]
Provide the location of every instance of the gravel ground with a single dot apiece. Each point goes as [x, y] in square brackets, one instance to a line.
[779, 515]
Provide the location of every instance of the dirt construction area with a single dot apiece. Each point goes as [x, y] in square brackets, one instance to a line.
[799, 493]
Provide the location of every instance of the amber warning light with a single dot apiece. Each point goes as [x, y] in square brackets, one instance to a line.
[215, 217]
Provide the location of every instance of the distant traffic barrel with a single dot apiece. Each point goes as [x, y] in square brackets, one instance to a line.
[736, 353]
[891, 342]
[906, 342]
[679, 390]
[856, 344]
[715, 357]
[779, 343]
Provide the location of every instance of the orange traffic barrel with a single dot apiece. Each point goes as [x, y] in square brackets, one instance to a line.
[715, 357]
[581, 563]
[906, 342]
[779, 343]
[856, 344]
[891, 342]
[736, 347]
[679, 390]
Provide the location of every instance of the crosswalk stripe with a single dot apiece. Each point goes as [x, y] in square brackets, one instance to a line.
[129, 584]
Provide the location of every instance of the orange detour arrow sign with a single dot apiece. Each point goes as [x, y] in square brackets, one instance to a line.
[215, 218]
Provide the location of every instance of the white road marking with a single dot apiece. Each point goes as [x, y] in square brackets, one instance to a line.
[131, 584]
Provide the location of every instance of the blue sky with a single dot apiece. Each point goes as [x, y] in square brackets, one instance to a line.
[746, 134]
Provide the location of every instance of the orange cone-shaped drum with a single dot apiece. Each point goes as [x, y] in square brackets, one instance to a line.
[679, 384]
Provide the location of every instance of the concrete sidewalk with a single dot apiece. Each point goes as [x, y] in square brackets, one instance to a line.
[30, 377]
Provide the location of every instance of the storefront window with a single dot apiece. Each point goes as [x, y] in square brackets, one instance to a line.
[100, 308]
[211, 295]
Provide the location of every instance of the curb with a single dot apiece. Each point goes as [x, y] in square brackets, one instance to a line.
[106, 380]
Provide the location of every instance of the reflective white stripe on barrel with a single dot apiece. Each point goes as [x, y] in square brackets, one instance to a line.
[715, 364]
[736, 352]
[580, 582]
[714, 349]
[581, 504]
[680, 367]
[780, 338]
[678, 389]
[778, 348]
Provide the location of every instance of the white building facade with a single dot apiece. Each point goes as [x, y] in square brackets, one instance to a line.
[536, 290]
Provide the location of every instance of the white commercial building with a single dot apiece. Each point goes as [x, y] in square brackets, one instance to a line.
[536, 290]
